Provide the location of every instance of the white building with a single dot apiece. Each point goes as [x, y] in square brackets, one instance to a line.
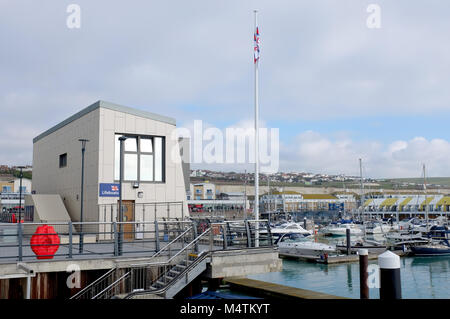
[152, 165]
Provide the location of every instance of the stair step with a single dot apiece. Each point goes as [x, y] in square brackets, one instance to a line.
[160, 283]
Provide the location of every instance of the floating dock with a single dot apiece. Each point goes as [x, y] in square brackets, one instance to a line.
[271, 290]
[335, 259]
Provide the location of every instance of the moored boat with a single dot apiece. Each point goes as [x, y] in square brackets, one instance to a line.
[434, 248]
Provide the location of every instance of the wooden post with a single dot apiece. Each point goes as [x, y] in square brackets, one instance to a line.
[363, 274]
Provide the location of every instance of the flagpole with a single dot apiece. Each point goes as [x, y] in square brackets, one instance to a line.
[256, 145]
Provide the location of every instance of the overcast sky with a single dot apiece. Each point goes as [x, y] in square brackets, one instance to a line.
[336, 89]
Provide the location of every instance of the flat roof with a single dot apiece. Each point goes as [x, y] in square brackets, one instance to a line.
[110, 106]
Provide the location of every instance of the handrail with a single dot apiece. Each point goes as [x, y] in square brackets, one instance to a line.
[113, 284]
[172, 282]
[167, 262]
[85, 289]
[174, 240]
[200, 258]
[109, 272]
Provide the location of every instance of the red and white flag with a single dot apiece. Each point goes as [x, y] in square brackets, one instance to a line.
[256, 45]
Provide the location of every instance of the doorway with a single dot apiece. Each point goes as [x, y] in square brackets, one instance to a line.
[128, 216]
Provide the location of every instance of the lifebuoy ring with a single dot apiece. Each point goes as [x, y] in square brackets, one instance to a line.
[45, 242]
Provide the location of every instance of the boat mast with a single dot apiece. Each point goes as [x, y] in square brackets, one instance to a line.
[425, 191]
[362, 194]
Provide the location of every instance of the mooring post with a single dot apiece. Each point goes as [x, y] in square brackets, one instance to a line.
[390, 284]
[363, 274]
[349, 243]
[304, 222]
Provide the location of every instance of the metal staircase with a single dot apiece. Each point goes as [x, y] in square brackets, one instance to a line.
[178, 272]
[172, 268]
[111, 283]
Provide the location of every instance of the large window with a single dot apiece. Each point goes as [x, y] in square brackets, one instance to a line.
[143, 158]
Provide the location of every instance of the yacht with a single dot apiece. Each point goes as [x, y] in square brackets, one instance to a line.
[372, 228]
[288, 228]
[433, 248]
[297, 245]
[341, 230]
[372, 246]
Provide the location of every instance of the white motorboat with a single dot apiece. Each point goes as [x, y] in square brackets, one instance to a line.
[372, 228]
[288, 228]
[297, 246]
[341, 230]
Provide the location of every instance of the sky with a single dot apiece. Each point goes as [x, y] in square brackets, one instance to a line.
[336, 89]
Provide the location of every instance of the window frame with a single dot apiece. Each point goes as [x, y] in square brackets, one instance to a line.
[63, 156]
[138, 153]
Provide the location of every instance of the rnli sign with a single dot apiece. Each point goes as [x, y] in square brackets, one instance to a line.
[109, 190]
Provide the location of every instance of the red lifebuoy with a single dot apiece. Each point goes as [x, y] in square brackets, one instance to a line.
[45, 242]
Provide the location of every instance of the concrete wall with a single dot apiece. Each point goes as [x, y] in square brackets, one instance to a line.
[99, 126]
[48, 178]
[112, 122]
[243, 263]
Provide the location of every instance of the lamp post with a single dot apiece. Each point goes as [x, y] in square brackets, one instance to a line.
[20, 192]
[120, 244]
[83, 149]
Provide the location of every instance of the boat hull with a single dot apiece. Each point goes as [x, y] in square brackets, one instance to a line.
[430, 251]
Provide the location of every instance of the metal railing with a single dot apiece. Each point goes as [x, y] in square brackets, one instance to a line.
[104, 286]
[181, 255]
[142, 212]
[174, 268]
[100, 239]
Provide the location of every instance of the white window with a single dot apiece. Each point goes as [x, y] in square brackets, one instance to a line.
[143, 158]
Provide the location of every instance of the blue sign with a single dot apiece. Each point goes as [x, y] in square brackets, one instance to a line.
[109, 190]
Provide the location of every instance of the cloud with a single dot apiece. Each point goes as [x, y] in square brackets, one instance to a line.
[315, 152]
[193, 60]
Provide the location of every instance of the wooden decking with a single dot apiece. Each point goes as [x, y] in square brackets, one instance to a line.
[270, 290]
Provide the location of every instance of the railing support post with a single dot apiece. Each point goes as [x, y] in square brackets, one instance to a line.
[116, 240]
[225, 237]
[19, 236]
[69, 224]
[194, 229]
[247, 230]
[157, 236]
[269, 234]
[210, 238]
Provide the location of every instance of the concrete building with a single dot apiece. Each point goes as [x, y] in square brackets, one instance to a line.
[6, 183]
[291, 201]
[152, 164]
[203, 191]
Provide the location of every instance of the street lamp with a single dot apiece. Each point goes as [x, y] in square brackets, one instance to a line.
[83, 149]
[120, 244]
[20, 192]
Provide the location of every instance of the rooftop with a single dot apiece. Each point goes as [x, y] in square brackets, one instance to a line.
[110, 106]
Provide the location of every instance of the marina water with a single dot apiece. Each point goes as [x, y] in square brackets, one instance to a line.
[421, 277]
